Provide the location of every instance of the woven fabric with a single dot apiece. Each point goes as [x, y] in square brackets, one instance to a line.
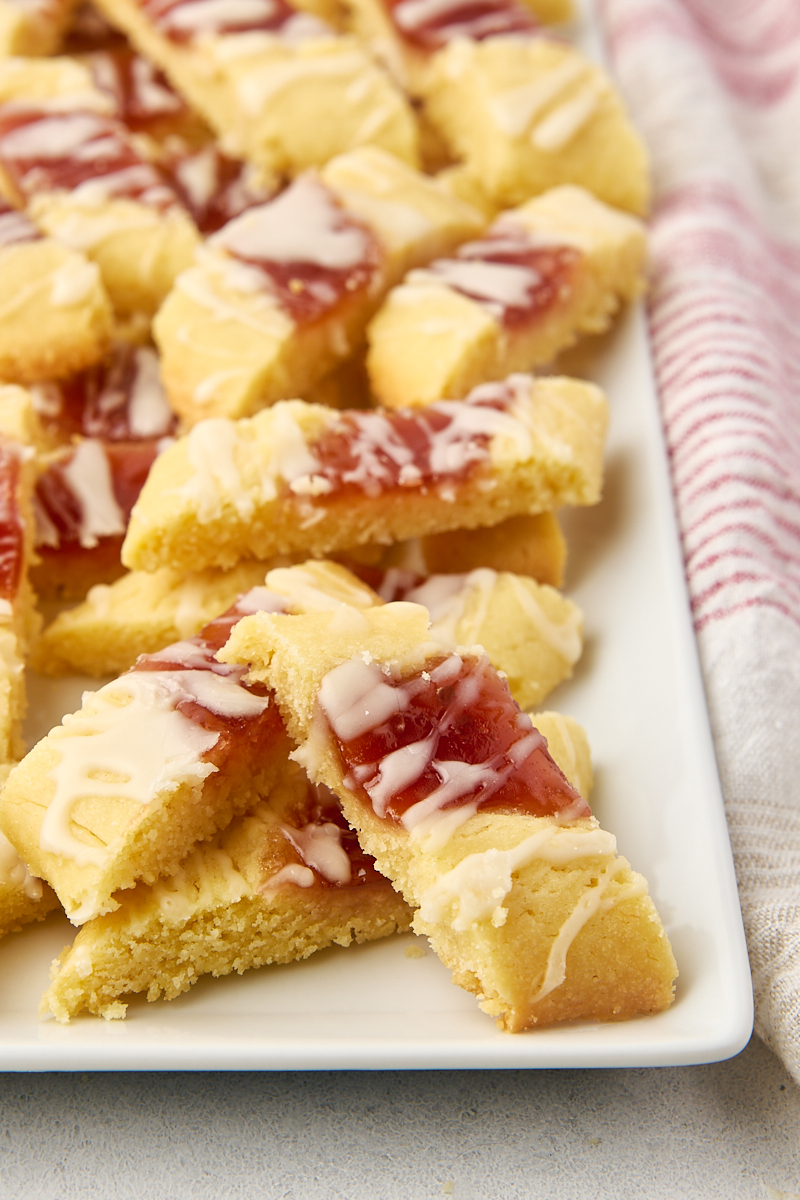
[714, 86]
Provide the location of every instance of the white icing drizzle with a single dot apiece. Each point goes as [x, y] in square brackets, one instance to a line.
[476, 888]
[210, 449]
[304, 225]
[592, 901]
[355, 698]
[149, 413]
[562, 636]
[514, 109]
[561, 126]
[320, 847]
[73, 282]
[89, 475]
[497, 286]
[258, 88]
[15, 874]
[128, 741]
[307, 589]
[293, 873]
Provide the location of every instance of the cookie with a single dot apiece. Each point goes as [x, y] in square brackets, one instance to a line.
[281, 296]
[528, 114]
[452, 789]
[283, 881]
[557, 267]
[83, 180]
[303, 479]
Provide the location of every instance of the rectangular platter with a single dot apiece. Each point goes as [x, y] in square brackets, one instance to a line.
[638, 691]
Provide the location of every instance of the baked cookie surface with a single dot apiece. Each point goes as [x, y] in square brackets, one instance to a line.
[300, 478]
[543, 274]
[452, 790]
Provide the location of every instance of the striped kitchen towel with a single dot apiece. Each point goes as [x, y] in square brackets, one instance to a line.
[714, 86]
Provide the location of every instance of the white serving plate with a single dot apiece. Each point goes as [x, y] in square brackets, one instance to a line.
[638, 691]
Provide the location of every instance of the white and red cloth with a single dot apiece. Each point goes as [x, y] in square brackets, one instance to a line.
[714, 86]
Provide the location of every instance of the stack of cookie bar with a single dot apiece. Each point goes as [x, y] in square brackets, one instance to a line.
[279, 289]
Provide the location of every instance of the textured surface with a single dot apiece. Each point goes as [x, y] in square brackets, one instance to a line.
[715, 88]
[730, 1130]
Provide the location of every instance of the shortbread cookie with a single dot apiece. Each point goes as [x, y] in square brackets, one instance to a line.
[23, 897]
[452, 790]
[55, 316]
[140, 613]
[530, 632]
[287, 879]
[85, 182]
[406, 36]
[300, 478]
[19, 621]
[527, 545]
[33, 26]
[280, 882]
[544, 273]
[108, 424]
[278, 85]
[159, 759]
[282, 295]
[527, 114]
[143, 612]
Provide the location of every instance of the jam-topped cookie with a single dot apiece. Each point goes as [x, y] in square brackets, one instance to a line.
[55, 316]
[557, 267]
[282, 295]
[153, 762]
[526, 114]
[278, 85]
[19, 620]
[162, 757]
[279, 883]
[302, 479]
[105, 426]
[84, 180]
[452, 789]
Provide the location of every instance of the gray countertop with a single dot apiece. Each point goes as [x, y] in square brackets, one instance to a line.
[728, 1130]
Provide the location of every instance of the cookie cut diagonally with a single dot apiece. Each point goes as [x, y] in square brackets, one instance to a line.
[543, 274]
[451, 788]
[303, 479]
[281, 296]
[279, 883]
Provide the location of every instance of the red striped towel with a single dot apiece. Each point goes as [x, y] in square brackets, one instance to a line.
[714, 85]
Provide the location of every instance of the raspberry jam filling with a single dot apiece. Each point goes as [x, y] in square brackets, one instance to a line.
[213, 187]
[431, 24]
[11, 526]
[213, 695]
[87, 496]
[312, 253]
[329, 848]
[185, 21]
[142, 95]
[447, 737]
[433, 447]
[47, 151]
[119, 409]
[515, 279]
[120, 399]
